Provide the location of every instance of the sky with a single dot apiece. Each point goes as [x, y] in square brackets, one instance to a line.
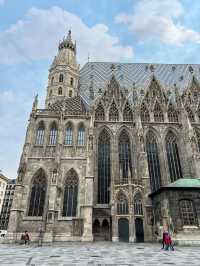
[151, 31]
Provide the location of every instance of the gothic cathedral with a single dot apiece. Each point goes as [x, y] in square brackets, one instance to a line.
[114, 155]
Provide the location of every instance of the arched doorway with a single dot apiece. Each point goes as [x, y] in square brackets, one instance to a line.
[123, 229]
[96, 229]
[139, 230]
[105, 230]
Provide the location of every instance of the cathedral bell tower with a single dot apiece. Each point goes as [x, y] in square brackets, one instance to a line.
[63, 73]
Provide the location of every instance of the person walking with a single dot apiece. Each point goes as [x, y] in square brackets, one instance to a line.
[168, 242]
[27, 238]
[163, 239]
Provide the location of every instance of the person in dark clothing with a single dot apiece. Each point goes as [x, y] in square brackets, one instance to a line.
[168, 242]
[163, 239]
[27, 238]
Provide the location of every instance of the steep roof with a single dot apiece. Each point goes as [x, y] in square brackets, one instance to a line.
[97, 75]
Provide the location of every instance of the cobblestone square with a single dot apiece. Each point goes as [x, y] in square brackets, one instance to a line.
[99, 253]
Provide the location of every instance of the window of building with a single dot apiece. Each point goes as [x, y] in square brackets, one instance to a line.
[70, 93]
[81, 136]
[137, 201]
[53, 135]
[190, 115]
[153, 161]
[144, 113]
[122, 204]
[52, 80]
[125, 166]
[69, 135]
[38, 193]
[71, 81]
[40, 134]
[188, 213]
[198, 139]
[70, 194]
[104, 167]
[113, 113]
[172, 114]
[60, 91]
[127, 114]
[158, 114]
[99, 113]
[173, 157]
[50, 93]
[61, 78]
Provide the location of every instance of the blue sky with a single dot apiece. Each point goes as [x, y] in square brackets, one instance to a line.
[155, 31]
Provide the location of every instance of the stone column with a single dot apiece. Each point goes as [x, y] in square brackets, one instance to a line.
[115, 237]
[131, 229]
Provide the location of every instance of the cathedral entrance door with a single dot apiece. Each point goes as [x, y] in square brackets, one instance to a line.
[139, 230]
[123, 229]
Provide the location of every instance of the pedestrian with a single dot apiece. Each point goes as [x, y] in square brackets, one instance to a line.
[27, 238]
[163, 239]
[168, 242]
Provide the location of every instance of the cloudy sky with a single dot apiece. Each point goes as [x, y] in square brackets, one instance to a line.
[155, 31]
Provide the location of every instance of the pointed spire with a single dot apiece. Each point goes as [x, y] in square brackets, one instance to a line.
[35, 103]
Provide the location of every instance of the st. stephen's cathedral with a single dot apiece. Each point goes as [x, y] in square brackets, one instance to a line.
[113, 156]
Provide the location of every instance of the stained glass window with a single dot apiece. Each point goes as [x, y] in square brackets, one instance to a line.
[53, 135]
[69, 135]
[40, 134]
[81, 136]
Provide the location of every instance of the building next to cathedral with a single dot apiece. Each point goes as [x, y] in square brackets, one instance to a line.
[114, 155]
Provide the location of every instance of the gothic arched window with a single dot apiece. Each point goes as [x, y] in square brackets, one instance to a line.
[113, 113]
[70, 194]
[81, 136]
[40, 134]
[144, 113]
[122, 204]
[53, 135]
[104, 168]
[158, 114]
[99, 113]
[173, 157]
[52, 80]
[70, 93]
[127, 114]
[61, 78]
[137, 201]
[198, 138]
[188, 213]
[172, 114]
[125, 166]
[69, 135]
[153, 161]
[190, 115]
[60, 91]
[38, 194]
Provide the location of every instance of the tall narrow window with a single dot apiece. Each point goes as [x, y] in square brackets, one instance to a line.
[40, 134]
[61, 77]
[113, 113]
[52, 80]
[81, 136]
[104, 168]
[69, 135]
[198, 139]
[71, 81]
[38, 193]
[122, 204]
[125, 166]
[70, 194]
[153, 161]
[137, 201]
[127, 114]
[60, 91]
[99, 113]
[53, 135]
[173, 157]
[144, 113]
[70, 93]
[190, 115]
[198, 112]
[158, 114]
[172, 114]
[188, 213]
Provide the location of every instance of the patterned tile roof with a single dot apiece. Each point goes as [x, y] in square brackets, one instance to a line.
[95, 76]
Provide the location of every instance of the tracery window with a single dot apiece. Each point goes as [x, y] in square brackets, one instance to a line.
[69, 135]
[127, 114]
[99, 113]
[144, 113]
[104, 165]
[81, 136]
[173, 157]
[61, 77]
[172, 114]
[190, 115]
[153, 161]
[138, 210]
[53, 135]
[122, 204]
[38, 193]
[70, 194]
[60, 91]
[113, 113]
[125, 166]
[40, 134]
[188, 213]
[158, 114]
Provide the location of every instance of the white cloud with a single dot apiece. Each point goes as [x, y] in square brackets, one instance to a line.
[155, 19]
[36, 37]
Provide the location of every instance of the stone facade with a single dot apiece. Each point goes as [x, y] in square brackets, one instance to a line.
[3, 183]
[95, 128]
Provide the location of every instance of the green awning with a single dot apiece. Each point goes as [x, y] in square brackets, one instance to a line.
[185, 182]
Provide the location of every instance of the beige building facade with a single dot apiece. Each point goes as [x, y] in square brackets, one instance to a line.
[114, 155]
[3, 183]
